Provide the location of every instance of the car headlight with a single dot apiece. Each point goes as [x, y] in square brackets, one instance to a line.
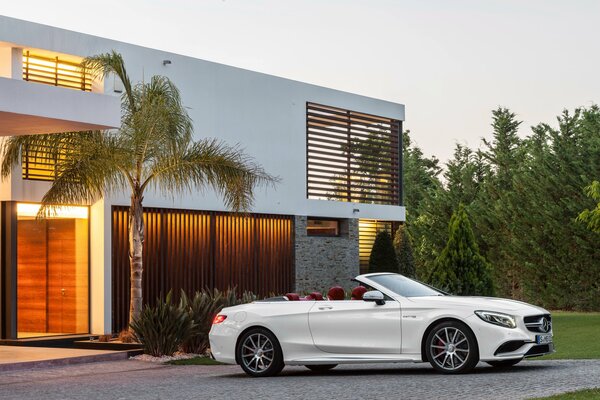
[496, 318]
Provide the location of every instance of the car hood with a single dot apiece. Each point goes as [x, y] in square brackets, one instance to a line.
[479, 303]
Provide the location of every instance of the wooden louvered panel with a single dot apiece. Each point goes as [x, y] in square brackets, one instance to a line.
[192, 249]
[54, 71]
[352, 156]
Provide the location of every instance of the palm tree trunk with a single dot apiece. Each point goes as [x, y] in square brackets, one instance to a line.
[136, 242]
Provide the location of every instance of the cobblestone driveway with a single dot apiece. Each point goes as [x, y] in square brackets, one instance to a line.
[138, 380]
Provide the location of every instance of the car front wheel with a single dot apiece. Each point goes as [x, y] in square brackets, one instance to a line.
[259, 353]
[451, 348]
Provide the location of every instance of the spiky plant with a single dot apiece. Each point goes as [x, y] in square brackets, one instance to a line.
[163, 328]
[202, 308]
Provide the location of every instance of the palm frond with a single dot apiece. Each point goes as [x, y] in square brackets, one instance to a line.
[159, 124]
[210, 163]
[50, 145]
[102, 65]
[96, 168]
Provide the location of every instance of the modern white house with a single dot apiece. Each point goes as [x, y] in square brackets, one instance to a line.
[337, 154]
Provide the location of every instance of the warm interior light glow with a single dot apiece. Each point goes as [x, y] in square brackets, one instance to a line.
[52, 70]
[31, 210]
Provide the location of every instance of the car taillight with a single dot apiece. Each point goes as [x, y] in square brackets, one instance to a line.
[219, 318]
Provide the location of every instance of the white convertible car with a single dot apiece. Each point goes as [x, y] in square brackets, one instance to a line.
[390, 319]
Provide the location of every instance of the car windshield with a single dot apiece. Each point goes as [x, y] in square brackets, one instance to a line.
[404, 286]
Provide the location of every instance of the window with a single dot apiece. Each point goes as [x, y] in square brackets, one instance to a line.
[322, 227]
[352, 156]
[404, 286]
[55, 71]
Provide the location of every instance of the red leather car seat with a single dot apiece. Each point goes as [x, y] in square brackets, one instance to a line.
[357, 292]
[292, 296]
[336, 293]
[316, 296]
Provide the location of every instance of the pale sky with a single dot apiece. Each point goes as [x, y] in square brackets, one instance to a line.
[449, 61]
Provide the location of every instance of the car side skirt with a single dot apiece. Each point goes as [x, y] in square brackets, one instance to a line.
[356, 359]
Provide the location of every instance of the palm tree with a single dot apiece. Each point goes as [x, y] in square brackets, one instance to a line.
[153, 149]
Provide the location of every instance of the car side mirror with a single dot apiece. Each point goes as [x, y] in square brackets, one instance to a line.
[376, 296]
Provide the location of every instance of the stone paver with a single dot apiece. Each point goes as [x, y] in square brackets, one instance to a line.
[139, 380]
[22, 357]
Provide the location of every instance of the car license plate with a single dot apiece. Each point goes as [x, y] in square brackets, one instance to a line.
[543, 339]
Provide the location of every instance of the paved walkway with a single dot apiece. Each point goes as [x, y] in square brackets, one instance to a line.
[22, 357]
[139, 380]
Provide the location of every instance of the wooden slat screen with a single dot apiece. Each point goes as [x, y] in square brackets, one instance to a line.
[192, 249]
[40, 163]
[352, 156]
[54, 71]
[367, 230]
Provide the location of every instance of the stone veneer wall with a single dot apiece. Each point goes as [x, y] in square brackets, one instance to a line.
[325, 261]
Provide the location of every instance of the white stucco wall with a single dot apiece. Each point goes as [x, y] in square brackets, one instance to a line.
[263, 114]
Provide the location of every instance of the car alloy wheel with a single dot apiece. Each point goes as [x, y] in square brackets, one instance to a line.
[259, 353]
[451, 348]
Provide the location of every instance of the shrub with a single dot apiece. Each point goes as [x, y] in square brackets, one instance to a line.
[104, 338]
[126, 336]
[202, 308]
[460, 269]
[162, 329]
[383, 256]
[404, 252]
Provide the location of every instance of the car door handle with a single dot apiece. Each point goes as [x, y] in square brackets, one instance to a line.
[325, 308]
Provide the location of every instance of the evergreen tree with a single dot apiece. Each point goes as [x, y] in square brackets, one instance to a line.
[464, 177]
[421, 187]
[460, 269]
[592, 217]
[560, 258]
[420, 176]
[503, 155]
[383, 256]
[404, 252]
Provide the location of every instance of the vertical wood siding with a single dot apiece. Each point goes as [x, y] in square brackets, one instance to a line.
[191, 250]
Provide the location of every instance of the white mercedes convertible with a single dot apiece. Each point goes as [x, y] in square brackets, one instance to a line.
[390, 318]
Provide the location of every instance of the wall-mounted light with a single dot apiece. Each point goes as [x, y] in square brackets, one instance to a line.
[166, 62]
[117, 84]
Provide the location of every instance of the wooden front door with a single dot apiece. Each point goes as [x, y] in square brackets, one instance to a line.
[61, 276]
[52, 277]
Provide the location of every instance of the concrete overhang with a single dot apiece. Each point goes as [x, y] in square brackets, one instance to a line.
[32, 108]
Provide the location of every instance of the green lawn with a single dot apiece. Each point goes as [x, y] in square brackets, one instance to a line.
[575, 335]
[195, 361]
[579, 395]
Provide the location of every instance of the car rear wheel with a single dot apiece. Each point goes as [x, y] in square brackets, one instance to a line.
[321, 367]
[451, 348]
[504, 363]
[259, 353]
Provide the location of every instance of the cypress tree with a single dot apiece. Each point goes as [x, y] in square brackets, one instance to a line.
[383, 256]
[460, 269]
[404, 252]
